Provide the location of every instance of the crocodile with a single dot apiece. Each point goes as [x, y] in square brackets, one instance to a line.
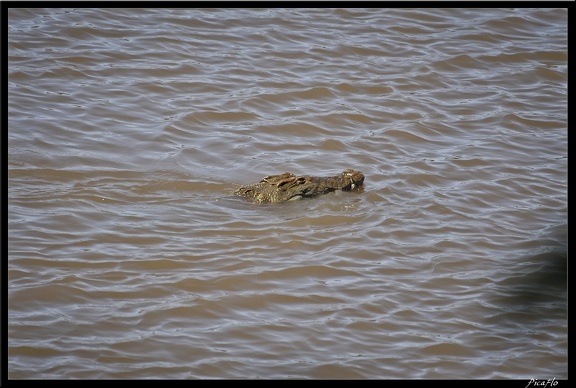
[289, 187]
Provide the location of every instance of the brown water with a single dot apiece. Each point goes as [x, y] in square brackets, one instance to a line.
[128, 256]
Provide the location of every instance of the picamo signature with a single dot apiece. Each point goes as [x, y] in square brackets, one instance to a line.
[542, 383]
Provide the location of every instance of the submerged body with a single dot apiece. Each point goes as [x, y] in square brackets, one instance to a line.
[289, 187]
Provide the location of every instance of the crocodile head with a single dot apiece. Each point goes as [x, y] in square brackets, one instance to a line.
[289, 187]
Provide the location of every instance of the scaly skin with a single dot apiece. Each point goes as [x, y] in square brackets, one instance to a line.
[289, 187]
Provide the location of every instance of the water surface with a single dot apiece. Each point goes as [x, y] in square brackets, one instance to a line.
[128, 257]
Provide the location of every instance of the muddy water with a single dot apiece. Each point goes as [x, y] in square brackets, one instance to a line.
[128, 257]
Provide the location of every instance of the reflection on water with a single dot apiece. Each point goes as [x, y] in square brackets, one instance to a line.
[129, 130]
